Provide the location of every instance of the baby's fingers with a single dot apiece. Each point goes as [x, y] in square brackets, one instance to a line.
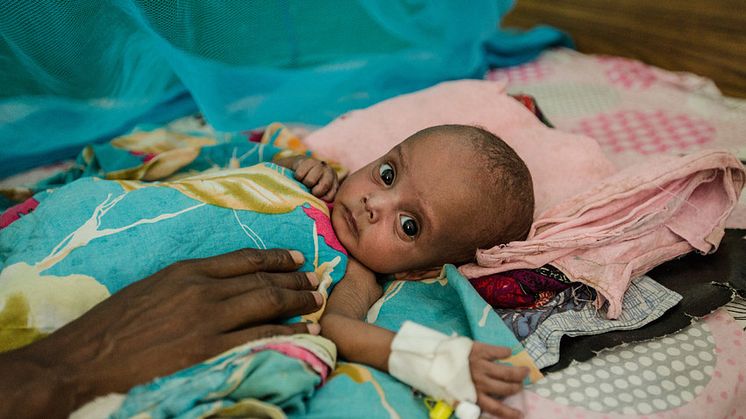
[484, 351]
[496, 408]
[325, 183]
[329, 197]
[304, 167]
[313, 176]
[495, 387]
[502, 372]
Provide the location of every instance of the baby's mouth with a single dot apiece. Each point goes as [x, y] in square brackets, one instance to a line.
[351, 223]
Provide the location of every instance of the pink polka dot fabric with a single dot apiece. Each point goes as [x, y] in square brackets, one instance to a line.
[627, 74]
[632, 109]
[533, 71]
[639, 110]
[646, 133]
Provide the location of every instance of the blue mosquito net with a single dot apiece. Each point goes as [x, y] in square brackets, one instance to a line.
[76, 72]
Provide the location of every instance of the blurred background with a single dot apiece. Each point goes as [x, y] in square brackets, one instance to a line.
[706, 37]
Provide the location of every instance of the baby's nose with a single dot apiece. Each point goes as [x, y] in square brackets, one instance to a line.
[371, 208]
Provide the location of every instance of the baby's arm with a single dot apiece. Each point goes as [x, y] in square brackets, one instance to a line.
[343, 323]
[317, 175]
[368, 344]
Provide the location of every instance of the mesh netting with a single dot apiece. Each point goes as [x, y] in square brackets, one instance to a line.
[73, 72]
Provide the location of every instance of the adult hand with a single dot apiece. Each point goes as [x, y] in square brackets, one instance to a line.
[182, 315]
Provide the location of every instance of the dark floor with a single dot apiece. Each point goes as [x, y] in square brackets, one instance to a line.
[706, 37]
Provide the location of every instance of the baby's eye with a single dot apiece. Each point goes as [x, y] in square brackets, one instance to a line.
[387, 173]
[409, 225]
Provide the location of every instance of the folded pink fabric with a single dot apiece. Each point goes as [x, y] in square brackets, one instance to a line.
[628, 223]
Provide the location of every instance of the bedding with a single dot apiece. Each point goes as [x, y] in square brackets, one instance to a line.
[698, 372]
[629, 223]
[634, 110]
[661, 398]
[521, 288]
[571, 313]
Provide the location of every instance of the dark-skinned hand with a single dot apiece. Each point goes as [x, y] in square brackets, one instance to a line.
[179, 316]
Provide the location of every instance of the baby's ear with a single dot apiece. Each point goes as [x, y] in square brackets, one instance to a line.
[418, 274]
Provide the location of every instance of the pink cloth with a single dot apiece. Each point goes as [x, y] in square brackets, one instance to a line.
[301, 354]
[628, 224]
[561, 164]
[15, 212]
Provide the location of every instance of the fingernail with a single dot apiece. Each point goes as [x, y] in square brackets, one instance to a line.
[313, 279]
[314, 328]
[297, 257]
[318, 297]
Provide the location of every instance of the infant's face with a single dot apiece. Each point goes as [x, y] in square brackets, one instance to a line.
[409, 208]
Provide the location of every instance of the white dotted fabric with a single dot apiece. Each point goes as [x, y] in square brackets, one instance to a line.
[638, 379]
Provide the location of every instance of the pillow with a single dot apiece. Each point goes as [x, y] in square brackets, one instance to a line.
[561, 164]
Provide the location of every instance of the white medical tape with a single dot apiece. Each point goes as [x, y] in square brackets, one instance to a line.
[433, 363]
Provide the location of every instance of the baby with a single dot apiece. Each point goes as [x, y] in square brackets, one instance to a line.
[436, 198]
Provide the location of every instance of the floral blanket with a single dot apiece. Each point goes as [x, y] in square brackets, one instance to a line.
[79, 244]
[73, 243]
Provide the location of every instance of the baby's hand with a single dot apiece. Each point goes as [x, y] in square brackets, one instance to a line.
[317, 176]
[494, 381]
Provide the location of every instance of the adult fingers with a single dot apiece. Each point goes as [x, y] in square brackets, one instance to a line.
[266, 305]
[496, 408]
[246, 261]
[239, 337]
[230, 287]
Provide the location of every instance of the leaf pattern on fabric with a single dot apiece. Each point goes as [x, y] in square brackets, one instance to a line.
[46, 302]
[160, 140]
[91, 230]
[256, 188]
[15, 328]
[360, 374]
[159, 166]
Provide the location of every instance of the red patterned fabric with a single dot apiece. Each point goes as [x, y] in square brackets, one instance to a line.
[17, 211]
[521, 288]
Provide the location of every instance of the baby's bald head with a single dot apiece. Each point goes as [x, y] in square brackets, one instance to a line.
[506, 197]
